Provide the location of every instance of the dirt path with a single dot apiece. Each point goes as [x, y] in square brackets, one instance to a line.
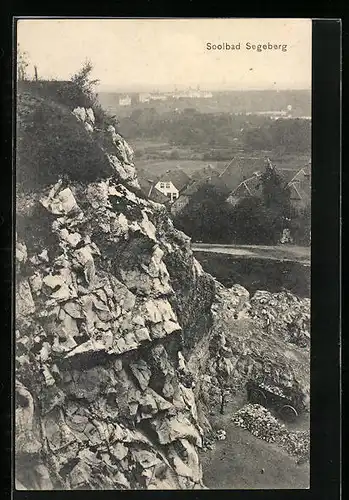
[237, 463]
[277, 252]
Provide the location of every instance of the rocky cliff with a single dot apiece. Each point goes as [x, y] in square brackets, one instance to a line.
[123, 342]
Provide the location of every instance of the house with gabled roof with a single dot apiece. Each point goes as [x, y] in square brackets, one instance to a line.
[149, 191]
[172, 183]
[299, 183]
[246, 188]
[300, 187]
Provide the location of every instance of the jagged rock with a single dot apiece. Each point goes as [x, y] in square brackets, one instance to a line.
[137, 281]
[156, 261]
[142, 334]
[152, 312]
[181, 362]
[88, 348]
[21, 252]
[145, 458]
[189, 400]
[49, 379]
[123, 171]
[121, 480]
[151, 403]
[80, 113]
[176, 427]
[62, 203]
[35, 282]
[123, 150]
[72, 238]
[88, 127]
[85, 258]
[120, 225]
[122, 295]
[80, 476]
[158, 310]
[27, 435]
[97, 194]
[138, 320]
[90, 115]
[186, 462]
[142, 373]
[73, 309]
[24, 301]
[171, 326]
[119, 450]
[51, 397]
[148, 227]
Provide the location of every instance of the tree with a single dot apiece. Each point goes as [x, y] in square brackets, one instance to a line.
[22, 64]
[252, 223]
[301, 226]
[79, 91]
[207, 216]
[277, 199]
[83, 81]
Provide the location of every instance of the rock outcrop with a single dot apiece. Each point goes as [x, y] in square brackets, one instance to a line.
[250, 339]
[102, 402]
[122, 340]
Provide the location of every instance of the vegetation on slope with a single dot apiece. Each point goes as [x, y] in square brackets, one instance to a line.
[51, 143]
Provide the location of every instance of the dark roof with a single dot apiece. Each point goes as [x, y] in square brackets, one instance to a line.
[240, 168]
[300, 185]
[148, 189]
[299, 182]
[204, 172]
[177, 176]
[249, 187]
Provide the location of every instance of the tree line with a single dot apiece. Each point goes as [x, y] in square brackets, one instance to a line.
[192, 128]
[209, 218]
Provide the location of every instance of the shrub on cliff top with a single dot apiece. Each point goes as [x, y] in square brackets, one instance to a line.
[51, 143]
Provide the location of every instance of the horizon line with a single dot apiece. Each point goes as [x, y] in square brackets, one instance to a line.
[121, 89]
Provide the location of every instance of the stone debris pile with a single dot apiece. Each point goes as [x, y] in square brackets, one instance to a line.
[241, 350]
[210, 438]
[259, 421]
[262, 424]
[221, 435]
[283, 314]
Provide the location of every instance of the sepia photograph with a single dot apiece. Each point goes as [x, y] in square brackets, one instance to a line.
[162, 253]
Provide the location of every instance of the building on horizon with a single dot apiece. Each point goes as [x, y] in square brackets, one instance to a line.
[125, 101]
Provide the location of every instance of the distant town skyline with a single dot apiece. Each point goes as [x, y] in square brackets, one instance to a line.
[148, 88]
[142, 55]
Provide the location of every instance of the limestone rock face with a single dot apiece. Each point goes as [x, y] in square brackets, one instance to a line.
[101, 403]
[118, 151]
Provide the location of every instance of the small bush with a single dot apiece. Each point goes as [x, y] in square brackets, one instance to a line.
[51, 143]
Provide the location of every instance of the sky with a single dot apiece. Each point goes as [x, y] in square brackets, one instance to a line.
[149, 54]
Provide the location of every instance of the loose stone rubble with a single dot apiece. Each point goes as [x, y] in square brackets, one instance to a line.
[285, 314]
[241, 350]
[262, 424]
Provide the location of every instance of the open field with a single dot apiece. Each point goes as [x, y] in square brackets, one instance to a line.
[188, 166]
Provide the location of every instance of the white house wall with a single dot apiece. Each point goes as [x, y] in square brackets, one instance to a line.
[168, 189]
